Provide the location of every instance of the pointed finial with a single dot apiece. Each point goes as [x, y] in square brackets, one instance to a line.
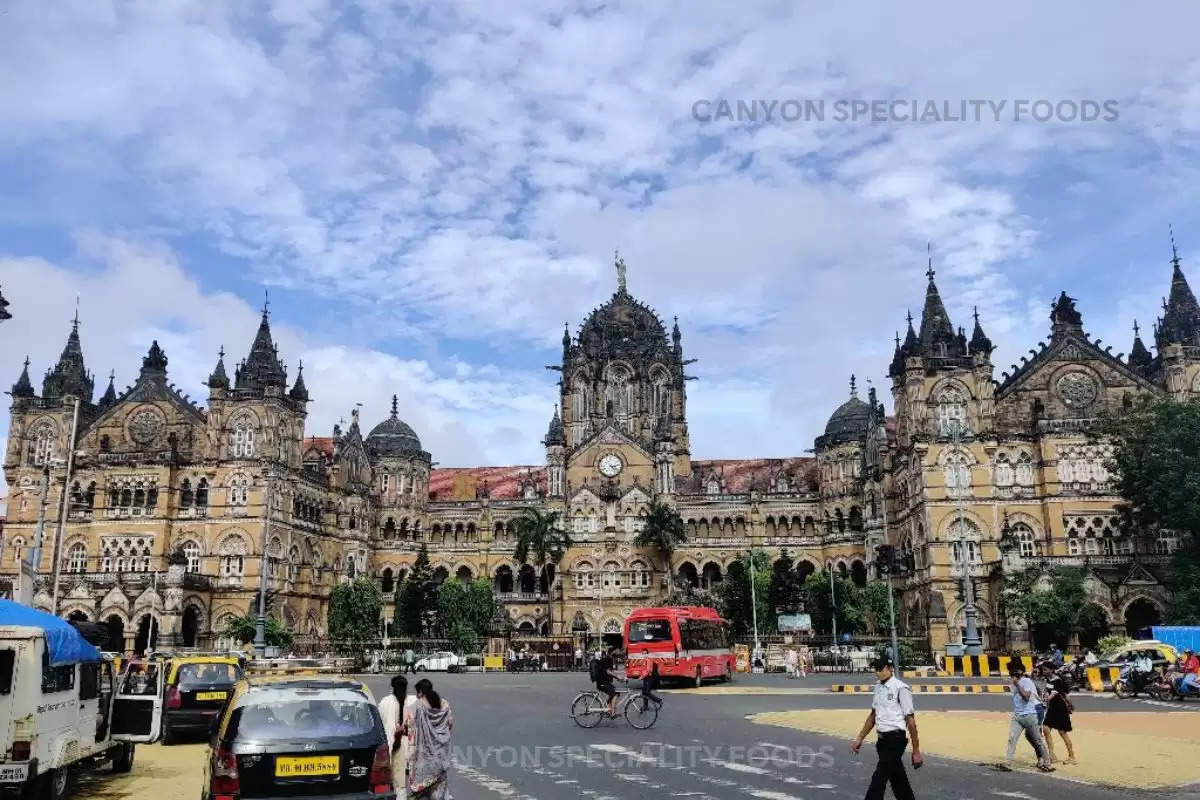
[1136, 331]
[112, 374]
[1164, 304]
[1174, 252]
[909, 318]
[75, 321]
[266, 302]
[975, 310]
[395, 411]
[897, 338]
[853, 387]
[929, 260]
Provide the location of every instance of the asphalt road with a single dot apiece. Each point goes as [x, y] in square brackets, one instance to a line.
[514, 739]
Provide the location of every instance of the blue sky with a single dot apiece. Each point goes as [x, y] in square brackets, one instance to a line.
[430, 190]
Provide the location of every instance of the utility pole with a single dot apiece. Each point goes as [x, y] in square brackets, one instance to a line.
[971, 639]
[753, 605]
[56, 566]
[260, 624]
[32, 563]
[885, 562]
[833, 604]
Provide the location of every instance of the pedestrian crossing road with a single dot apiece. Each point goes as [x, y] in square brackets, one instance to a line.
[514, 740]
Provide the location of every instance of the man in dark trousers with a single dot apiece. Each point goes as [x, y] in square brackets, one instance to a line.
[891, 715]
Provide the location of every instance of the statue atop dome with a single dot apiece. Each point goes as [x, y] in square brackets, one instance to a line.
[619, 263]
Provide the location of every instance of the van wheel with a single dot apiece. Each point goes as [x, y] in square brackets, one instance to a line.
[123, 759]
[58, 783]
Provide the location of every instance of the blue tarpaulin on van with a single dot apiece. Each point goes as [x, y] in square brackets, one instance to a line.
[63, 642]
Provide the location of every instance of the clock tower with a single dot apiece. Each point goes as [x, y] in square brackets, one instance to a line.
[623, 402]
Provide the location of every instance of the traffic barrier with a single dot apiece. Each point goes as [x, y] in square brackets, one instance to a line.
[922, 672]
[928, 688]
[1101, 679]
[982, 666]
[300, 666]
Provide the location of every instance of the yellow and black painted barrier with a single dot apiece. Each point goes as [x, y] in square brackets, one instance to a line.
[928, 688]
[982, 666]
[922, 672]
[1101, 679]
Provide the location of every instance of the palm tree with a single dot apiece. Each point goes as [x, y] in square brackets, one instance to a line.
[662, 531]
[539, 536]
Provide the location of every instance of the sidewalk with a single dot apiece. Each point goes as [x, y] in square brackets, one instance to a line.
[158, 772]
[1135, 750]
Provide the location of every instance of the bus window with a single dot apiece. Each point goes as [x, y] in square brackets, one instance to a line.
[651, 630]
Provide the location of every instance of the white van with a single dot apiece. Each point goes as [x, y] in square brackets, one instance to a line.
[57, 718]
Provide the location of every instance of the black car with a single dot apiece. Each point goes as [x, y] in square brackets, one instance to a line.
[198, 690]
[310, 737]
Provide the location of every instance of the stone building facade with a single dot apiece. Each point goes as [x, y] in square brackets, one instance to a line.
[174, 511]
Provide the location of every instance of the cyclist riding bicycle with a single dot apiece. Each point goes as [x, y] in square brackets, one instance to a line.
[601, 675]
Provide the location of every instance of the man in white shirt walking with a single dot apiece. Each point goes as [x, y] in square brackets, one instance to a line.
[1024, 720]
[891, 715]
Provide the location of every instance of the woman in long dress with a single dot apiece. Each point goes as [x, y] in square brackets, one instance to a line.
[429, 721]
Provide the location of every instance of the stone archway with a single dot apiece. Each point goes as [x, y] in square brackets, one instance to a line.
[1140, 614]
[116, 632]
[147, 635]
[189, 629]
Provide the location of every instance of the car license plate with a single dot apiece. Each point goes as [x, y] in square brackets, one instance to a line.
[13, 773]
[211, 695]
[307, 766]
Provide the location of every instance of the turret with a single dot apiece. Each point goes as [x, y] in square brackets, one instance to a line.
[1139, 357]
[23, 387]
[110, 394]
[299, 391]
[69, 376]
[981, 345]
[218, 379]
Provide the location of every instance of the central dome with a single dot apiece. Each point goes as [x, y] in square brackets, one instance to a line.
[622, 323]
[849, 423]
[393, 437]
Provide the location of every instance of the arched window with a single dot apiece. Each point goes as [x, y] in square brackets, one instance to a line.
[387, 582]
[191, 551]
[1004, 471]
[1026, 543]
[951, 411]
[1024, 471]
[957, 466]
[585, 578]
[712, 485]
[964, 542]
[389, 529]
[661, 392]
[233, 557]
[241, 438]
[202, 494]
[239, 489]
[41, 445]
[612, 575]
[640, 574]
[185, 494]
[293, 563]
[17, 545]
[77, 558]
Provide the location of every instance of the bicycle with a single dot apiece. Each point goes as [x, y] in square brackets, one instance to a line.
[589, 708]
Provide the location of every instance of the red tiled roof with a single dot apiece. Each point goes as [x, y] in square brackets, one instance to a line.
[324, 443]
[502, 483]
[743, 474]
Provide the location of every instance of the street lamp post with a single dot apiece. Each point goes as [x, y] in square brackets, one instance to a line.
[971, 639]
[260, 623]
[56, 565]
[753, 603]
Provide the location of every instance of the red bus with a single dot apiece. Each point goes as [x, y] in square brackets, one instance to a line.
[688, 642]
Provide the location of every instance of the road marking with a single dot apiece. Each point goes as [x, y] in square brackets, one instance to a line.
[737, 767]
[500, 787]
[1017, 795]
[641, 780]
[767, 794]
[632, 755]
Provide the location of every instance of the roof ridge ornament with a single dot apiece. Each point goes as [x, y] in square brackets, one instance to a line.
[619, 263]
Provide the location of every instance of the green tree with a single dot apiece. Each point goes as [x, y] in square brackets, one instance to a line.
[540, 538]
[1053, 608]
[786, 593]
[687, 595]
[735, 596]
[663, 530]
[354, 609]
[877, 615]
[416, 599]
[850, 613]
[242, 630]
[463, 639]
[481, 605]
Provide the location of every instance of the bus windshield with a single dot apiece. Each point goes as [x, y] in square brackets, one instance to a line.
[650, 630]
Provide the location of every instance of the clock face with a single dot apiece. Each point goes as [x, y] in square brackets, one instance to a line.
[610, 465]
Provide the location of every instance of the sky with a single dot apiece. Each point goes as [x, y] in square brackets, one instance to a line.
[428, 191]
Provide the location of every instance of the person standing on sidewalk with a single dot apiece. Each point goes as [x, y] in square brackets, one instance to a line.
[891, 715]
[1024, 720]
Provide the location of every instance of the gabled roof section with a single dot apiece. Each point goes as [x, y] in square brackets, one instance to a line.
[150, 386]
[1068, 346]
[741, 475]
[611, 434]
[499, 483]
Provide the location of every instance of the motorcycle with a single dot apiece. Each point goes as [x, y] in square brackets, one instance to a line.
[1178, 692]
[1132, 682]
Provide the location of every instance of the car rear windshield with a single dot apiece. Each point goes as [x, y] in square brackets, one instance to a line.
[650, 630]
[207, 674]
[303, 718]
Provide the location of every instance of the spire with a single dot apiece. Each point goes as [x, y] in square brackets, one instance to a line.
[619, 263]
[675, 334]
[897, 365]
[566, 340]
[910, 338]
[155, 360]
[70, 375]
[937, 334]
[555, 434]
[218, 379]
[1139, 357]
[980, 343]
[110, 394]
[262, 368]
[1181, 313]
[853, 388]
[23, 387]
[395, 407]
[299, 391]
